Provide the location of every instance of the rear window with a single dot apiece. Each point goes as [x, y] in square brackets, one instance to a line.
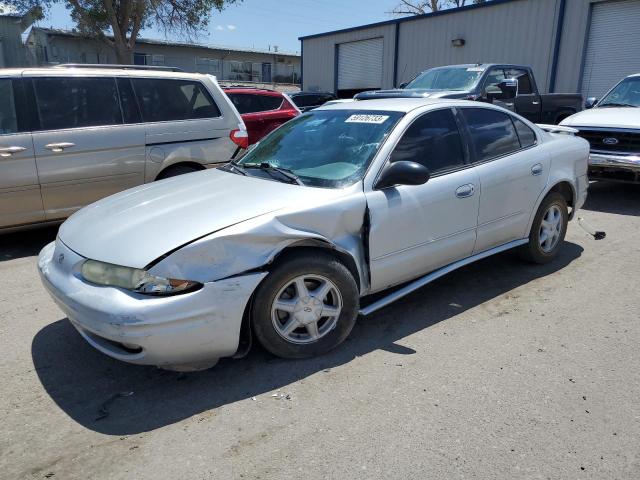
[492, 132]
[74, 102]
[254, 103]
[167, 100]
[525, 134]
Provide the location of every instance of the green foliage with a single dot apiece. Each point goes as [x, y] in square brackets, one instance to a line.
[118, 22]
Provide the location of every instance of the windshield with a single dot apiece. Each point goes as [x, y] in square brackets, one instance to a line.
[625, 94]
[457, 78]
[330, 148]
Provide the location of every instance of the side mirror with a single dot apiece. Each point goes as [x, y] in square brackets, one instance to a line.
[403, 84]
[403, 173]
[508, 89]
[590, 102]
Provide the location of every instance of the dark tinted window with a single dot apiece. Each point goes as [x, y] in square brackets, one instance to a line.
[270, 102]
[524, 81]
[76, 102]
[165, 100]
[432, 140]
[246, 103]
[525, 134]
[309, 100]
[130, 111]
[492, 132]
[8, 119]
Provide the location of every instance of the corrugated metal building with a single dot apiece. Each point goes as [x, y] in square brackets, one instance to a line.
[573, 45]
[52, 46]
[12, 51]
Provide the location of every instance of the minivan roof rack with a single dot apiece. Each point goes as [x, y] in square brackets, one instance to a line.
[118, 66]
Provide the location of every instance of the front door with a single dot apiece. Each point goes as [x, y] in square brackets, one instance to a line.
[83, 150]
[512, 174]
[418, 229]
[527, 102]
[20, 200]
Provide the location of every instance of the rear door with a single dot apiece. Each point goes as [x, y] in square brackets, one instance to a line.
[275, 112]
[527, 102]
[249, 106]
[20, 200]
[183, 122]
[420, 228]
[83, 149]
[512, 174]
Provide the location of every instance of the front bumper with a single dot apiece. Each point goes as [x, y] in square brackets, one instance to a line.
[609, 166]
[188, 331]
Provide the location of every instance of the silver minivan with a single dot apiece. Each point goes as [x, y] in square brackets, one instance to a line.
[70, 136]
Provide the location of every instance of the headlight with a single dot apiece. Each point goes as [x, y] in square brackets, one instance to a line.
[134, 279]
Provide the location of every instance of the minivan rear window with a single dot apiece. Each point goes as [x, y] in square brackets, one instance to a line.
[74, 102]
[164, 100]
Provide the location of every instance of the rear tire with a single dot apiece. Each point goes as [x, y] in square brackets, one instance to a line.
[291, 313]
[176, 170]
[548, 230]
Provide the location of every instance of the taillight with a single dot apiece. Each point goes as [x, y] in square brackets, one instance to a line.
[240, 137]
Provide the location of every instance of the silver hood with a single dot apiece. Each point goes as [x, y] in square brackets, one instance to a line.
[135, 227]
[607, 117]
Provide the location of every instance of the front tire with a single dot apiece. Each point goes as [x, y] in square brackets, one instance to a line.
[548, 230]
[307, 306]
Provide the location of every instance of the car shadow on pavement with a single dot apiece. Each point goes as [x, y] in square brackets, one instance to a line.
[26, 243]
[87, 385]
[618, 198]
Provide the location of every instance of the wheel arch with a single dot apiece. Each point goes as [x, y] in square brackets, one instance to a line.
[180, 163]
[563, 186]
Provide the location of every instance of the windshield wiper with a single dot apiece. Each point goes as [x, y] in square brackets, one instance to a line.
[284, 172]
[616, 104]
[234, 167]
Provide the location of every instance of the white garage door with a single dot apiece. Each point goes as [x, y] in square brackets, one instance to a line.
[613, 51]
[360, 64]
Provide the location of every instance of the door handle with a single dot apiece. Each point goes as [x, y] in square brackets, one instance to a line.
[465, 191]
[537, 169]
[535, 103]
[509, 104]
[8, 151]
[59, 147]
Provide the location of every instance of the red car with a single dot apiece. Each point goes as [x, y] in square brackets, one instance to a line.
[261, 110]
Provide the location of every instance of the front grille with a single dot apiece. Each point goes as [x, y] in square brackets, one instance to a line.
[625, 141]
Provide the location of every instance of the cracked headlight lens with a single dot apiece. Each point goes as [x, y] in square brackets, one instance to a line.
[134, 279]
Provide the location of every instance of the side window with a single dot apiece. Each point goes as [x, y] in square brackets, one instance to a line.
[165, 100]
[524, 81]
[8, 119]
[492, 132]
[73, 102]
[525, 134]
[494, 77]
[432, 140]
[246, 103]
[270, 102]
[130, 111]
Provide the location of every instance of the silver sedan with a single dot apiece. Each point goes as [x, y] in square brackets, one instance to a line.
[286, 243]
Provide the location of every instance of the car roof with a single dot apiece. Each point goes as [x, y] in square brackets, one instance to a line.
[403, 105]
[94, 72]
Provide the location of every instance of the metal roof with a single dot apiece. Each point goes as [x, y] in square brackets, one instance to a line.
[395, 21]
[152, 41]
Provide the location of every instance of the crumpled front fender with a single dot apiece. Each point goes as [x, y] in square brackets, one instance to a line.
[254, 244]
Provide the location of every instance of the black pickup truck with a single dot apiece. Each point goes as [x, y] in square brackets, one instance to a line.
[510, 86]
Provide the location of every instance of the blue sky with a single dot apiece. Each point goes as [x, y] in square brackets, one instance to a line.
[261, 23]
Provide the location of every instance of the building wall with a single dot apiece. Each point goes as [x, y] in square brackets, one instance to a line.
[55, 48]
[517, 31]
[12, 51]
[320, 56]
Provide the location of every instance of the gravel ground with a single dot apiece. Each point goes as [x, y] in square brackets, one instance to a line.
[500, 370]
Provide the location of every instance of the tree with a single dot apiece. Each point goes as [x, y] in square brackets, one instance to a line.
[420, 7]
[118, 22]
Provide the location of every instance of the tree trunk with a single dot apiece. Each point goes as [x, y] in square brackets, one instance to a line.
[124, 54]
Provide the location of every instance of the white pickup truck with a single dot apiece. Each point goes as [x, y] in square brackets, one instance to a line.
[612, 127]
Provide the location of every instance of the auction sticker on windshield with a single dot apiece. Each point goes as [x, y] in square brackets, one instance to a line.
[377, 119]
